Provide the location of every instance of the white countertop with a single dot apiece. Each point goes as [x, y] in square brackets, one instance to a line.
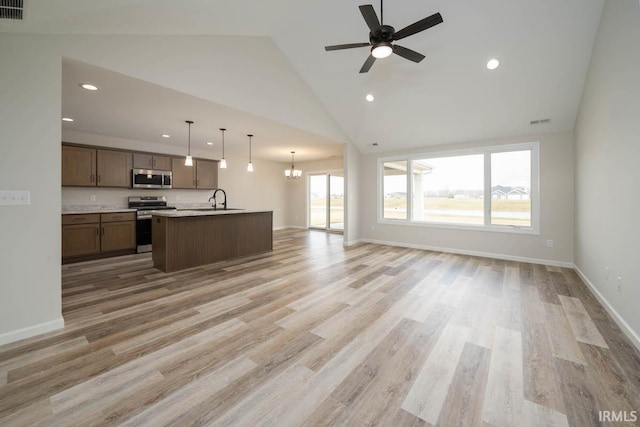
[93, 209]
[203, 212]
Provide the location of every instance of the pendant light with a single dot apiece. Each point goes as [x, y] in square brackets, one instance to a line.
[250, 165]
[292, 173]
[223, 162]
[188, 161]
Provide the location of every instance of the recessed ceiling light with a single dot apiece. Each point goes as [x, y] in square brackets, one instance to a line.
[493, 63]
[369, 97]
[209, 143]
[164, 135]
[88, 86]
[67, 119]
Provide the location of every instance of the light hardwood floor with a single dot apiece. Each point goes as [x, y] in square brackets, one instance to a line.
[317, 334]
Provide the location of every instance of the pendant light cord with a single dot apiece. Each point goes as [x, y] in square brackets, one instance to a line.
[222, 141]
[189, 122]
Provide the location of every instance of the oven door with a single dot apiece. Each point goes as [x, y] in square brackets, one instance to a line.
[143, 234]
[144, 178]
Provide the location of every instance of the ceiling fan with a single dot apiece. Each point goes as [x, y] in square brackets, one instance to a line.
[381, 37]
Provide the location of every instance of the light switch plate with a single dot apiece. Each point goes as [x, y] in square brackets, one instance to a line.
[15, 198]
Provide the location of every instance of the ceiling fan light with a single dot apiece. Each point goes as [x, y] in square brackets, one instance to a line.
[382, 50]
[493, 63]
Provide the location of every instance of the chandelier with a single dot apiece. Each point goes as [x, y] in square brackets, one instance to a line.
[292, 173]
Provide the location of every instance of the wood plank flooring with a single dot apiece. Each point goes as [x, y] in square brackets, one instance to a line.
[317, 334]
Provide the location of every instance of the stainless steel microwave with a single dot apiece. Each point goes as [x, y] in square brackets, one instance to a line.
[147, 178]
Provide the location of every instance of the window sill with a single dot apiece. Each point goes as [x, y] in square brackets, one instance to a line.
[485, 228]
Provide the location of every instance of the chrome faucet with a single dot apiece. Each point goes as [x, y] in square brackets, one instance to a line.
[215, 205]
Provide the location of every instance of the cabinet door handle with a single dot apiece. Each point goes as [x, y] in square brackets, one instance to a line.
[93, 178]
[154, 163]
[98, 178]
[97, 232]
[102, 230]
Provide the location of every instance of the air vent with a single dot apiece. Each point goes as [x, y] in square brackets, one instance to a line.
[11, 9]
[539, 122]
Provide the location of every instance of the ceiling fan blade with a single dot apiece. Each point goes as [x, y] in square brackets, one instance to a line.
[416, 27]
[370, 17]
[409, 54]
[345, 46]
[367, 64]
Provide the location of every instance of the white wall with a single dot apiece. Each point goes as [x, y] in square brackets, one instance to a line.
[353, 161]
[265, 188]
[556, 209]
[298, 187]
[30, 160]
[607, 163]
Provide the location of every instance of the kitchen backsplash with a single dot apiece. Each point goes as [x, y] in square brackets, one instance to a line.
[81, 196]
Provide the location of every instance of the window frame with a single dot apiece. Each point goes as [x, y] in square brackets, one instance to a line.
[534, 147]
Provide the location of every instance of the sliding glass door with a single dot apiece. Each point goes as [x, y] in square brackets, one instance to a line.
[326, 201]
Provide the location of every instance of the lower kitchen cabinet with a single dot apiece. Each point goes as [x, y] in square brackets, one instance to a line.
[80, 239]
[117, 236]
[89, 236]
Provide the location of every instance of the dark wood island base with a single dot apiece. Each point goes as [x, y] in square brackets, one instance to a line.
[183, 241]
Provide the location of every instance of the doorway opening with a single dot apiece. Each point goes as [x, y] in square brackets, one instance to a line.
[325, 201]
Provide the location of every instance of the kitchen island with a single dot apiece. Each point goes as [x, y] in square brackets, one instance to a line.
[189, 238]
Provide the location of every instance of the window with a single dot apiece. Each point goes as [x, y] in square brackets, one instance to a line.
[489, 188]
[511, 188]
[442, 194]
[394, 190]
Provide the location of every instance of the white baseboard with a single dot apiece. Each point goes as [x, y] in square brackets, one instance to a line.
[628, 330]
[475, 253]
[285, 227]
[31, 331]
[353, 242]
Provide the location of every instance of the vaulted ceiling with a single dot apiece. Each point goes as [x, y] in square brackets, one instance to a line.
[544, 48]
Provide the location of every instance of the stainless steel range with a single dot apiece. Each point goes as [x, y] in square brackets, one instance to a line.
[144, 206]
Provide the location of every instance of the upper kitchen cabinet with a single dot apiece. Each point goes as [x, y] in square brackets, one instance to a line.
[88, 167]
[182, 176]
[202, 175]
[151, 161]
[114, 168]
[206, 174]
[78, 166]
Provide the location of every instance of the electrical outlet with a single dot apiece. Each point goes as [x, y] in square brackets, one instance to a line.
[92, 197]
[373, 227]
[15, 198]
[549, 243]
[619, 283]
